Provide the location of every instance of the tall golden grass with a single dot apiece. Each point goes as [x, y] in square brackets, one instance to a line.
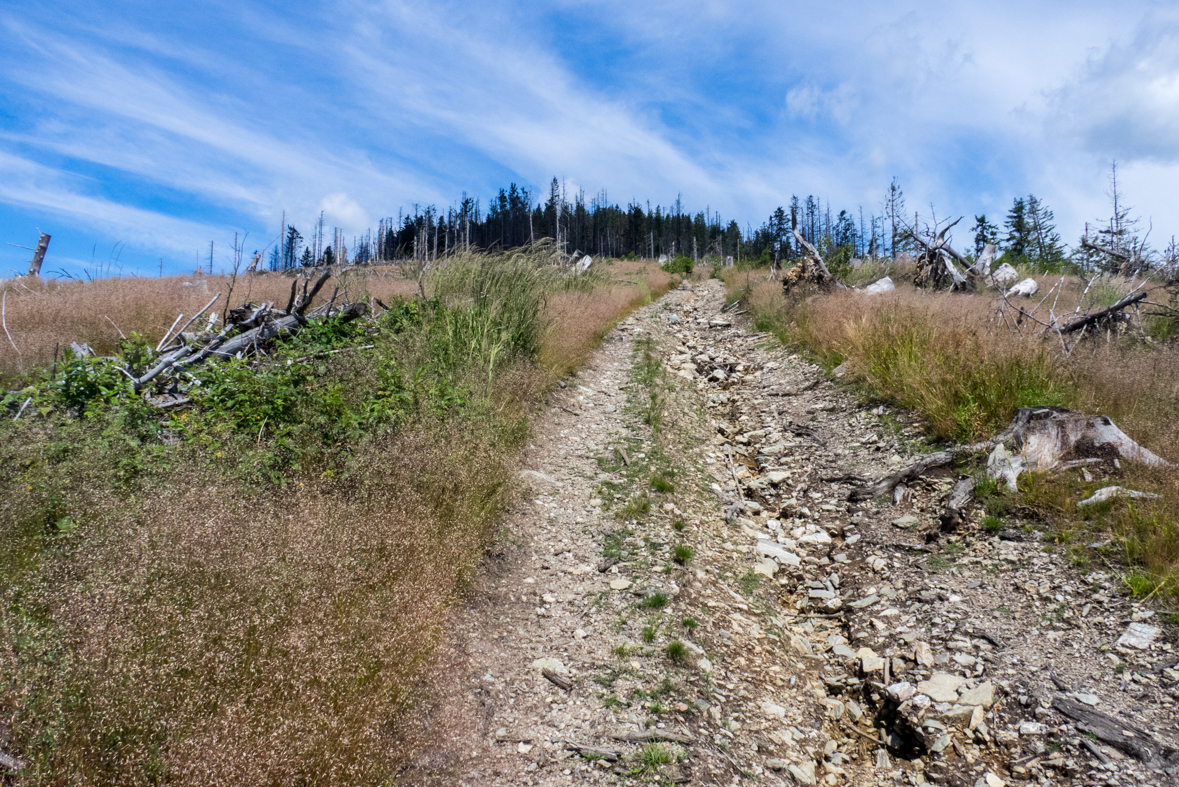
[44, 316]
[163, 621]
[947, 357]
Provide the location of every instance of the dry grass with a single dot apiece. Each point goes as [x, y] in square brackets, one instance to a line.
[48, 315]
[579, 320]
[162, 621]
[946, 357]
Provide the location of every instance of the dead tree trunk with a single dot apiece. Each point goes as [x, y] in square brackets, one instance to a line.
[810, 268]
[39, 255]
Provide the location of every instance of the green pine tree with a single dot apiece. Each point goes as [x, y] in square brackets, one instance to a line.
[984, 232]
[1018, 228]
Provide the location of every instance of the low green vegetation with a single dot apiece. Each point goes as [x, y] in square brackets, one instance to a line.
[248, 590]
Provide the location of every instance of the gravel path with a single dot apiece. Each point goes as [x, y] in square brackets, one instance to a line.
[721, 614]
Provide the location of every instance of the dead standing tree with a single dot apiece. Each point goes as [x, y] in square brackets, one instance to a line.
[935, 261]
[810, 268]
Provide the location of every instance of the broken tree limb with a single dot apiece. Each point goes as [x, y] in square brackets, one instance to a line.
[609, 755]
[1089, 319]
[645, 736]
[196, 316]
[955, 510]
[267, 330]
[168, 360]
[560, 681]
[914, 471]
[307, 298]
[1122, 734]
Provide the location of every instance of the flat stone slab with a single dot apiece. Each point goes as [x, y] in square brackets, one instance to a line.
[982, 694]
[941, 687]
[777, 552]
[1138, 635]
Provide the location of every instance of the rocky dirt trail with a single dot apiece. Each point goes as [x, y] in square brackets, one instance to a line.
[685, 595]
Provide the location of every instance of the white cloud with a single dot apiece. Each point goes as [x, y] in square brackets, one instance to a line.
[343, 211]
[1125, 102]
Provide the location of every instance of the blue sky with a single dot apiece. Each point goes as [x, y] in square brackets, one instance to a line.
[147, 130]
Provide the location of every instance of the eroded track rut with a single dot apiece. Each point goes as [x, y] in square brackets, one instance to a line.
[722, 614]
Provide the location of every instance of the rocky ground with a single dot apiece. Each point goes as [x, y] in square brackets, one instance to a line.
[685, 595]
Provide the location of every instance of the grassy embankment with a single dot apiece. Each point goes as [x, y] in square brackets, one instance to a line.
[946, 357]
[258, 603]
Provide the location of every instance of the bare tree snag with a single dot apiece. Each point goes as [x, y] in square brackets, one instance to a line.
[935, 267]
[307, 298]
[39, 255]
[810, 268]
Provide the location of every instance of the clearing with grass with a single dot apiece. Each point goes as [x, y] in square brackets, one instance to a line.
[510, 519]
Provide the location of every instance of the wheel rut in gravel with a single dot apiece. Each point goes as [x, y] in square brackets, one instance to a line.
[683, 594]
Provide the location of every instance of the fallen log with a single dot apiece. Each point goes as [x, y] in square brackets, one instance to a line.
[647, 736]
[1122, 734]
[609, 755]
[1089, 319]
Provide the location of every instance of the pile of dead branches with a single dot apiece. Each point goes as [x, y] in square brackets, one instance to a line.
[248, 331]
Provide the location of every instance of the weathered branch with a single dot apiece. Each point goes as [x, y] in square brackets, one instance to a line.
[1077, 325]
[306, 300]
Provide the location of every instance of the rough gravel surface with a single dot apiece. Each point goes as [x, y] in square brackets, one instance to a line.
[710, 609]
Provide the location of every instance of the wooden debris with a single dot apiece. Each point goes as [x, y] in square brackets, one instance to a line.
[954, 512]
[1104, 314]
[560, 681]
[609, 755]
[647, 736]
[1121, 733]
[810, 268]
[10, 763]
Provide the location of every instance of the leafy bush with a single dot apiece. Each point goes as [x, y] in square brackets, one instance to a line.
[680, 264]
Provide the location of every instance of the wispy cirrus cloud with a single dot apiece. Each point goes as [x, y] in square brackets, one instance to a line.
[191, 122]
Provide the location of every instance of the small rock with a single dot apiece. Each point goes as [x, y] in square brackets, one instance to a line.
[940, 744]
[834, 709]
[992, 780]
[818, 537]
[619, 584]
[523, 748]
[905, 522]
[550, 664]
[965, 659]
[922, 654]
[766, 567]
[804, 773]
[869, 661]
[579, 634]
[773, 710]
[774, 764]
[774, 550]
[1033, 728]
[902, 691]
[776, 477]
[844, 651]
[1088, 699]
